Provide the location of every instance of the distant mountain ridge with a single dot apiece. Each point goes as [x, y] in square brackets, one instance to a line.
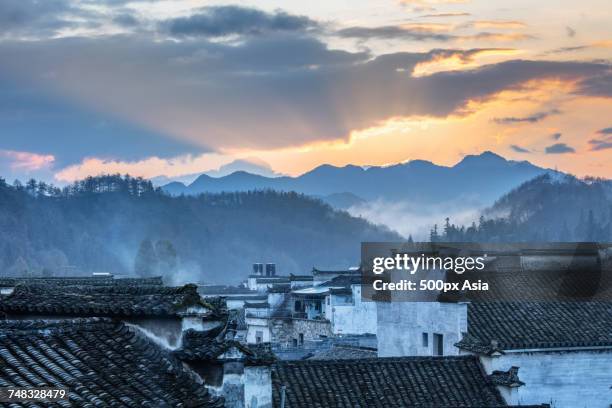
[548, 208]
[99, 224]
[483, 178]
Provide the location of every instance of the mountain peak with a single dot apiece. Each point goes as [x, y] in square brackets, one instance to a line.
[486, 157]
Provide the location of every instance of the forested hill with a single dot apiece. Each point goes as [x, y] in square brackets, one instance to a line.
[102, 223]
[547, 208]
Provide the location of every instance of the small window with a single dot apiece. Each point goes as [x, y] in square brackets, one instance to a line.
[295, 343]
[425, 340]
[258, 337]
[301, 337]
[438, 344]
[328, 297]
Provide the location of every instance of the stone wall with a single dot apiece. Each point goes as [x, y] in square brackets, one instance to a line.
[283, 331]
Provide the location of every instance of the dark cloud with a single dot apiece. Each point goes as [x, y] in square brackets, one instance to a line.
[600, 144]
[519, 149]
[267, 91]
[604, 142]
[536, 117]
[219, 21]
[605, 131]
[559, 148]
[571, 33]
[599, 85]
[33, 17]
[567, 49]
[555, 136]
[393, 32]
[422, 34]
[126, 20]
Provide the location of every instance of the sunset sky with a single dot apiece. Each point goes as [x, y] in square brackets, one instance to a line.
[173, 88]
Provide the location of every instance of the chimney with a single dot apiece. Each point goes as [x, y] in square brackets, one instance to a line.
[270, 269]
[258, 269]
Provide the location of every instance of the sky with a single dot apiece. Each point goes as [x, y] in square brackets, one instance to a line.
[168, 89]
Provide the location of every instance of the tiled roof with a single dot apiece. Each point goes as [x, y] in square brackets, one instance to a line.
[343, 352]
[101, 362]
[209, 346]
[508, 378]
[105, 301]
[263, 305]
[532, 325]
[343, 280]
[81, 280]
[238, 319]
[316, 271]
[224, 290]
[305, 278]
[280, 288]
[430, 382]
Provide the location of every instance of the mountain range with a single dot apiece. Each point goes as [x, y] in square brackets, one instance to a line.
[481, 178]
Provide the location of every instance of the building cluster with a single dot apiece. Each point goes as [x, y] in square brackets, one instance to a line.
[126, 342]
[307, 341]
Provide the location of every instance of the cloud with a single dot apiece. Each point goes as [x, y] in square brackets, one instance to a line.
[149, 167]
[393, 32]
[604, 142]
[559, 148]
[437, 15]
[536, 117]
[571, 33]
[446, 60]
[555, 136]
[426, 2]
[423, 33]
[519, 149]
[166, 98]
[220, 21]
[498, 24]
[600, 144]
[33, 17]
[597, 85]
[251, 165]
[597, 44]
[605, 131]
[26, 161]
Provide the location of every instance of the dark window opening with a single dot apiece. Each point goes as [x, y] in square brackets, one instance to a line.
[438, 344]
[425, 339]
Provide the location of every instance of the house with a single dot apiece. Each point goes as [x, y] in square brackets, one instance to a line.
[193, 339]
[235, 296]
[298, 313]
[440, 382]
[548, 324]
[99, 361]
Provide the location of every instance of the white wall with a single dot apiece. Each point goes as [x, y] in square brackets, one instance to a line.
[576, 379]
[401, 326]
[253, 326]
[257, 387]
[356, 317]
